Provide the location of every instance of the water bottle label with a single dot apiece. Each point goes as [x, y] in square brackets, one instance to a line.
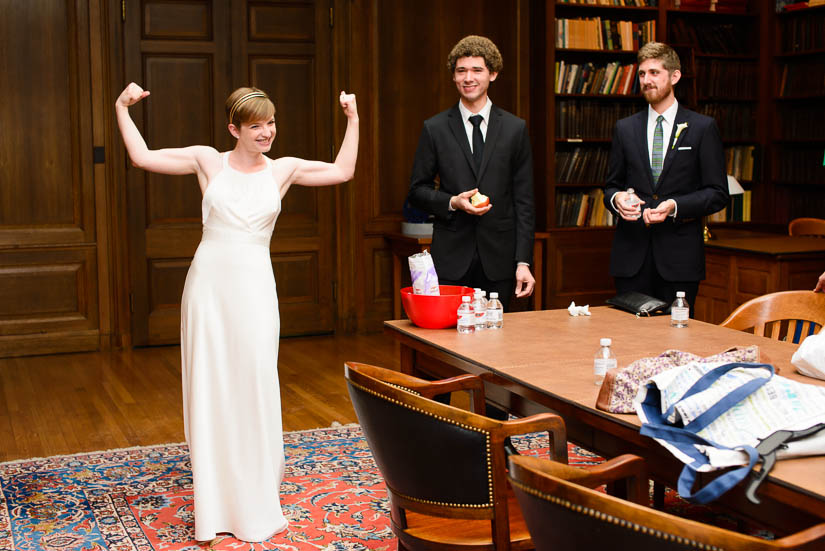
[494, 315]
[680, 314]
[466, 318]
[600, 367]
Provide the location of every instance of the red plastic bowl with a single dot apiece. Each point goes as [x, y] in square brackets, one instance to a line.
[434, 311]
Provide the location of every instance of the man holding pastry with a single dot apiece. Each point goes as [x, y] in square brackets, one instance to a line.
[473, 170]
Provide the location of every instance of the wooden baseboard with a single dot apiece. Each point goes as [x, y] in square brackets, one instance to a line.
[49, 343]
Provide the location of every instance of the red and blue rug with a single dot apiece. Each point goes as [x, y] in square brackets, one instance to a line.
[140, 499]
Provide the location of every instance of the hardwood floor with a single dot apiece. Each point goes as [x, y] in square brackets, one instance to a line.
[61, 404]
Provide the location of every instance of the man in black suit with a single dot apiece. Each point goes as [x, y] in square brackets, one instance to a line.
[673, 159]
[476, 146]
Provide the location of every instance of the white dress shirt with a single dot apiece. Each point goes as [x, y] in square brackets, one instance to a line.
[468, 126]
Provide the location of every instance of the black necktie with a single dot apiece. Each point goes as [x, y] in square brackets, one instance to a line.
[478, 139]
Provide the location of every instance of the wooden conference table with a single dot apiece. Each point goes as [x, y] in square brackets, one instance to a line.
[543, 361]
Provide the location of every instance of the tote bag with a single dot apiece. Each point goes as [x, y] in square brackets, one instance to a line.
[712, 416]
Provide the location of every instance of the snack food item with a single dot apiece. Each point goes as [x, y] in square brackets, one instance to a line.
[422, 273]
[479, 200]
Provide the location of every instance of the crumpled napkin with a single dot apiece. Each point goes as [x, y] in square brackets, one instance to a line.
[578, 310]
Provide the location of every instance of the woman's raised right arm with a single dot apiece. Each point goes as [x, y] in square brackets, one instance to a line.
[184, 160]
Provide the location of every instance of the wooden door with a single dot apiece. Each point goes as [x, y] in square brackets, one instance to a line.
[191, 56]
[48, 240]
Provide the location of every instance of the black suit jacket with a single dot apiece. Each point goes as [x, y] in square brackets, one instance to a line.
[693, 174]
[504, 235]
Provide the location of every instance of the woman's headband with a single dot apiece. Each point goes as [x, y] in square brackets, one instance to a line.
[241, 100]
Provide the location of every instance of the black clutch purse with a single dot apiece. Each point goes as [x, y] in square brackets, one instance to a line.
[638, 303]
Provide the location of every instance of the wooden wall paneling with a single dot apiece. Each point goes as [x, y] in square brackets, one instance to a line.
[285, 49]
[346, 74]
[716, 293]
[577, 267]
[47, 196]
[180, 53]
[101, 111]
[48, 300]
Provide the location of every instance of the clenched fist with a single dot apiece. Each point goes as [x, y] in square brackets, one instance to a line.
[348, 104]
[133, 94]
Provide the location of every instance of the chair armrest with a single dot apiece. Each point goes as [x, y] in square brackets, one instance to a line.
[810, 539]
[429, 389]
[627, 467]
[551, 423]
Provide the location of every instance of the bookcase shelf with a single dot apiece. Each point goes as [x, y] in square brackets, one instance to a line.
[609, 97]
[806, 53]
[729, 72]
[599, 52]
[800, 97]
[733, 16]
[574, 141]
[797, 137]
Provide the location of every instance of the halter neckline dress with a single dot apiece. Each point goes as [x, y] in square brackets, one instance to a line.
[230, 327]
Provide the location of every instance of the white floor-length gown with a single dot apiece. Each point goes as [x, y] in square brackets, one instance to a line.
[229, 350]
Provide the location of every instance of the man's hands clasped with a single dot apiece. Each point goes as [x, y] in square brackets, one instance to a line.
[649, 215]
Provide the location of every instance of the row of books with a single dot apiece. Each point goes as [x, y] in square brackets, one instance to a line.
[802, 120]
[739, 161]
[720, 6]
[712, 38]
[728, 79]
[631, 3]
[738, 211]
[791, 5]
[595, 33]
[801, 165]
[583, 209]
[737, 121]
[596, 78]
[802, 78]
[800, 34]
[582, 165]
[587, 119]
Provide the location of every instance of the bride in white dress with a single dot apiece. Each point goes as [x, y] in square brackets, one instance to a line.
[229, 313]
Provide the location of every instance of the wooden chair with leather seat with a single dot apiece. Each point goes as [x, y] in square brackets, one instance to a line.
[444, 467]
[786, 315]
[563, 512]
[811, 227]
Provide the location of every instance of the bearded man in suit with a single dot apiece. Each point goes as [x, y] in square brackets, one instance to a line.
[672, 157]
[477, 146]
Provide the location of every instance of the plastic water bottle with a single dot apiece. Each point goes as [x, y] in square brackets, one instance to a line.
[466, 316]
[679, 311]
[480, 310]
[632, 200]
[604, 360]
[495, 312]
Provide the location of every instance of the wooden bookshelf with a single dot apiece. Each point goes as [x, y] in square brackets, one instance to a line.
[722, 75]
[797, 133]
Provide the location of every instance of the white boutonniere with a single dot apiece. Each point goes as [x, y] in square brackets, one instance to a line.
[679, 127]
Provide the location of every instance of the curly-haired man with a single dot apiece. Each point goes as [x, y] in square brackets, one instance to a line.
[474, 146]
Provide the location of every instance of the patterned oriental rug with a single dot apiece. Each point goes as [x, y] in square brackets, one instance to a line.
[140, 499]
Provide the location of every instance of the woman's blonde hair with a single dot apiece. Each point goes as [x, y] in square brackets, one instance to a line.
[248, 104]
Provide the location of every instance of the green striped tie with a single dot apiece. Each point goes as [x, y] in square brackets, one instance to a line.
[658, 155]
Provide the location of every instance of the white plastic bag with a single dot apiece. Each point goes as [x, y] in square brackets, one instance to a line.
[422, 273]
[809, 358]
